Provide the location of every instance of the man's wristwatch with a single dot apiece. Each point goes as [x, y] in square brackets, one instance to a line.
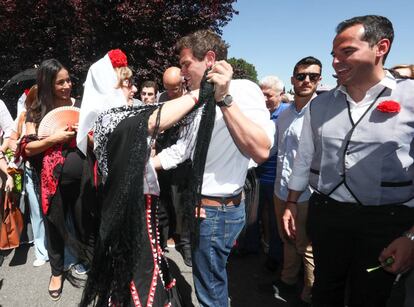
[409, 235]
[226, 101]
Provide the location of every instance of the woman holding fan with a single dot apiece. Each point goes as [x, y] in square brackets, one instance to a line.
[60, 167]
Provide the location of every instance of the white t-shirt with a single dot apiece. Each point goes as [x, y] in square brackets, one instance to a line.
[226, 166]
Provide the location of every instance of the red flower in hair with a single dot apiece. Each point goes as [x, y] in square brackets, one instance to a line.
[118, 58]
[26, 91]
[389, 106]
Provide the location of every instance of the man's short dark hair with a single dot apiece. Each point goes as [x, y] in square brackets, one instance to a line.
[309, 60]
[150, 83]
[202, 41]
[376, 28]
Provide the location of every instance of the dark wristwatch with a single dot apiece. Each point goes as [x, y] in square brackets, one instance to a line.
[226, 101]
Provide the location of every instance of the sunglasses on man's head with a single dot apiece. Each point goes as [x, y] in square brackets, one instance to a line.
[312, 76]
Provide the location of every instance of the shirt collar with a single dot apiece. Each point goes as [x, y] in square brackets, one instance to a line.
[388, 81]
[293, 106]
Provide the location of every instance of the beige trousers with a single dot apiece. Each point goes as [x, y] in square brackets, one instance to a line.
[297, 251]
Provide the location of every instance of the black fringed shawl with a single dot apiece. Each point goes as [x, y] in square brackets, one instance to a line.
[192, 200]
[122, 213]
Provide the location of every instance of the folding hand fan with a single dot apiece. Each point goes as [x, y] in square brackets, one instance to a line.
[58, 118]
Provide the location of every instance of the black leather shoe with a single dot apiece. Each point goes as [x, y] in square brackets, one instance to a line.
[186, 253]
[282, 291]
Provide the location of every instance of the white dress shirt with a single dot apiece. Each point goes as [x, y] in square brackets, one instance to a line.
[226, 166]
[300, 174]
[288, 133]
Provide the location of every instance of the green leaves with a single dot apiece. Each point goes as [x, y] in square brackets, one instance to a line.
[79, 32]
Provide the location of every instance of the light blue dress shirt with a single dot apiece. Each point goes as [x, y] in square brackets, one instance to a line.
[288, 131]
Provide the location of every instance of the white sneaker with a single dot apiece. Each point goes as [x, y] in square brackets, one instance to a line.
[38, 262]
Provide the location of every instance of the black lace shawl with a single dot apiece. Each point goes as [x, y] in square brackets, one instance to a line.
[117, 250]
[192, 196]
[122, 214]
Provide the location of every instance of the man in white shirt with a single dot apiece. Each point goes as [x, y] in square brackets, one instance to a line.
[305, 80]
[242, 130]
[356, 153]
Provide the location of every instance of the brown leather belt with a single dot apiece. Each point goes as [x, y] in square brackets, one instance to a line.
[219, 201]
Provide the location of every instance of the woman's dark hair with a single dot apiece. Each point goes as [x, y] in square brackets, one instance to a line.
[31, 97]
[46, 76]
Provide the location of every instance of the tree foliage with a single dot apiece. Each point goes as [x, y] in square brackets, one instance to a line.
[243, 70]
[79, 32]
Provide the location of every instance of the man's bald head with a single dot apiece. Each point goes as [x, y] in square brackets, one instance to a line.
[173, 82]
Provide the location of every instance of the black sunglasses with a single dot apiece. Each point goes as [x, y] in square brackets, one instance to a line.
[312, 76]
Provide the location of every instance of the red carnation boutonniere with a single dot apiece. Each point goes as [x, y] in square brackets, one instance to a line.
[118, 58]
[389, 106]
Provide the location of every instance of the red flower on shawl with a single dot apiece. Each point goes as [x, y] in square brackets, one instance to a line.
[118, 58]
[389, 106]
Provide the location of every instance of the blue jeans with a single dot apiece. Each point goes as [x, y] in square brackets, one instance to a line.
[218, 232]
[36, 217]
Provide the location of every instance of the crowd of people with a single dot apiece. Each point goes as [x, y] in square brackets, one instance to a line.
[131, 178]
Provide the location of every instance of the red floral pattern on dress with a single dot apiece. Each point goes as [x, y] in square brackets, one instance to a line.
[118, 58]
[389, 106]
[49, 175]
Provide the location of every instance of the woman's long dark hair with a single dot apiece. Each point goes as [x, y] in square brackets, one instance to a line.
[46, 76]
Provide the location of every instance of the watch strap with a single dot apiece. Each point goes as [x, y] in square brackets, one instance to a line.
[226, 101]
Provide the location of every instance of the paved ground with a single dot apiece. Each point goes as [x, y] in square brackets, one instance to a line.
[21, 284]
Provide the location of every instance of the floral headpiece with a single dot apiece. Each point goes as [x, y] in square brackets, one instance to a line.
[118, 58]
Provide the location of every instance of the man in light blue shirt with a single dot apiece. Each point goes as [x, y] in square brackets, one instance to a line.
[305, 79]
